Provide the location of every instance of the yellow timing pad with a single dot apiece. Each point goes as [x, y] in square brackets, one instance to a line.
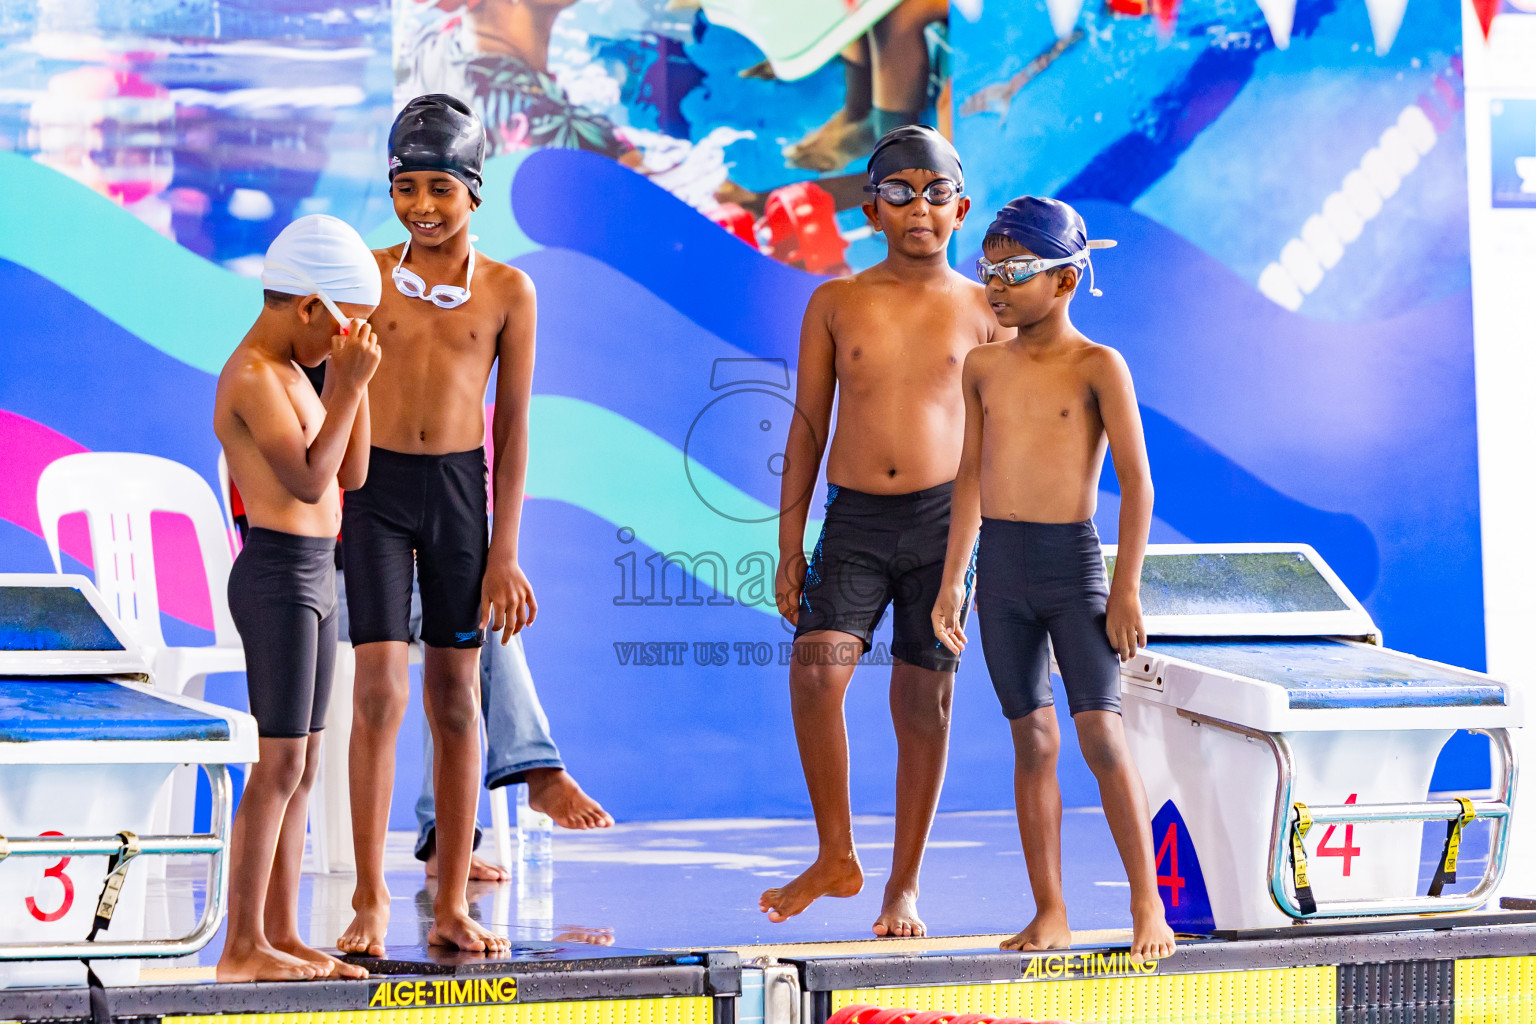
[1496, 990]
[1295, 995]
[664, 1010]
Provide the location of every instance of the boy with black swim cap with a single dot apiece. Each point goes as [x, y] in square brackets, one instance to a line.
[1039, 410]
[889, 343]
[447, 317]
[290, 450]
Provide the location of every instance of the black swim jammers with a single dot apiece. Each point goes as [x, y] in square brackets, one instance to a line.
[1037, 582]
[421, 513]
[282, 596]
[877, 550]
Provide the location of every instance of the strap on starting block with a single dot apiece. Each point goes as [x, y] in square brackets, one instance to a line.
[117, 874]
[1299, 829]
[1446, 871]
[5, 847]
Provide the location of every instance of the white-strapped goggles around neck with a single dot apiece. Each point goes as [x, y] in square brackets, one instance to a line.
[342, 320]
[443, 296]
[1018, 269]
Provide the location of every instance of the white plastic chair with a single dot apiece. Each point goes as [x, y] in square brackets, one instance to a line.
[118, 491]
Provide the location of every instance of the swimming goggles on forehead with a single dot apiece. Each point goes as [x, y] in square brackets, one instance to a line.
[342, 320]
[443, 296]
[898, 193]
[1018, 269]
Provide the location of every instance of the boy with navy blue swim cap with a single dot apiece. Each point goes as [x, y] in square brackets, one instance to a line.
[888, 344]
[1038, 412]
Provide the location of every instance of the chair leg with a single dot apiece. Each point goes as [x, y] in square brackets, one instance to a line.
[501, 828]
[315, 815]
[335, 819]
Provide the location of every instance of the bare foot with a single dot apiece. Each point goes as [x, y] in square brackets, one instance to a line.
[1151, 938]
[824, 878]
[553, 792]
[833, 145]
[480, 870]
[327, 965]
[262, 963]
[464, 932]
[1047, 931]
[365, 935]
[898, 917]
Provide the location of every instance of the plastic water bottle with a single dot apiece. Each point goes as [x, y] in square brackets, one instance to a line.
[535, 869]
[535, 832]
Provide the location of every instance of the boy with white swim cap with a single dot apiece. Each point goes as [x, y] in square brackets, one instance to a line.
[290, 452]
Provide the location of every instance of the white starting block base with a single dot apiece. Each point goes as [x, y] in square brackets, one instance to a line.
[54, 900]
[1223, 785]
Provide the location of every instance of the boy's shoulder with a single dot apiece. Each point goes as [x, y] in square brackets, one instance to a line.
[503, 277]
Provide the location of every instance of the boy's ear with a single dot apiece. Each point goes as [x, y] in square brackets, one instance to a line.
[306, 307]
[872, 214]
[961, 210]
[1066, 284]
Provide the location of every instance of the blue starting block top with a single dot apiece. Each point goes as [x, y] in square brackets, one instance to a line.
[66, 708]
[1328, 674]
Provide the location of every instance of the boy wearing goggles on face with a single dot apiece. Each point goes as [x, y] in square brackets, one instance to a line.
[889, 343]
[1039, 411]
[446, 319]
[290, 451]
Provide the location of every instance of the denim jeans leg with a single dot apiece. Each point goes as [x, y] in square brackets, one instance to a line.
[516, 728]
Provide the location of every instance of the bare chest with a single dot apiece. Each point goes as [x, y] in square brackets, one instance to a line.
[1039, 397]
[306, 405]
[416, 336]
[876, 350]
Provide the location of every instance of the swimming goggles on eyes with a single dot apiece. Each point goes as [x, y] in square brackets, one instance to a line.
[443, 296]
[899, 193]
[1018, 269]
[342, 319]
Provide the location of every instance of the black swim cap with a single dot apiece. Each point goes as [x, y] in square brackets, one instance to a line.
[437, 132]
[916, 147]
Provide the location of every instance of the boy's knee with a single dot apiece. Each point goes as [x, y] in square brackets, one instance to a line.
[817, 682]
[1102, 745]
[283, 767]
[382, 707]
[1036, 740]
[455, 717]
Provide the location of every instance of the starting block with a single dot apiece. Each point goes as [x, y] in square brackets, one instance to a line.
[1284, 749]
[85, 747]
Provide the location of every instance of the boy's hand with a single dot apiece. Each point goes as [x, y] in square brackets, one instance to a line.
[1123, 623]
[506, 599]
[946, 617]
[788, 585]
[355, 355]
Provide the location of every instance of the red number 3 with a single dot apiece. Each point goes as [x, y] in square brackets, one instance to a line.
[57, 871]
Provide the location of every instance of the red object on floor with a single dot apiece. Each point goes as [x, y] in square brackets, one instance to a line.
[737, 221]
[800, 221]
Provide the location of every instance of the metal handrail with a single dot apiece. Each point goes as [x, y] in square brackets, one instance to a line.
[1496, 810]
[214, 844]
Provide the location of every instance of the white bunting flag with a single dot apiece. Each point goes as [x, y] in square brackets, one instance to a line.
[1064, 15]
[1386, 19]
[1279, 14]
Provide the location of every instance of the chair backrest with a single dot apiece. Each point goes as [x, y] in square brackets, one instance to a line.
[118, 491]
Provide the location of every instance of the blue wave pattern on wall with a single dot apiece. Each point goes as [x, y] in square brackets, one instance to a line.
[585, 202]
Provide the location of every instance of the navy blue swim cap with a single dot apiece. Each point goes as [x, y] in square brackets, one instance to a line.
[438, 132]
[914, 147]
[1048, 228]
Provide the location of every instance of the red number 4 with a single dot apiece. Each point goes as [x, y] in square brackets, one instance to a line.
[1349, 851]
[57, 871]
[1170, 846]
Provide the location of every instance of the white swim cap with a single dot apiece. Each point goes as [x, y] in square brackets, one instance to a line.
[322, 253]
